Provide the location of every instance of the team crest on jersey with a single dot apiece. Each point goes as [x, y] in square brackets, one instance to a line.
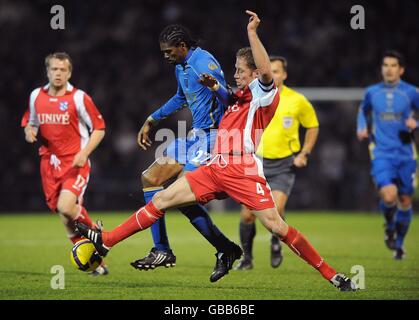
[287, 122]
[212, 66]
[64, 106]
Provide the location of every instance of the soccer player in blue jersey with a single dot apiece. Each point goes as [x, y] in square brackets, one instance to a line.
[186, 154]
[386, 118]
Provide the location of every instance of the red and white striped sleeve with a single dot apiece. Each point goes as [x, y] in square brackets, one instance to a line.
[88, 112]
[31, 115]
[264, 93]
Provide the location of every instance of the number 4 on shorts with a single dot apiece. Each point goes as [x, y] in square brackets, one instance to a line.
[259, 189]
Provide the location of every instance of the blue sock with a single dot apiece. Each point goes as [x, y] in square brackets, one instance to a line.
[403, 219]
[200, 219]
[158, 229]
[388, 213]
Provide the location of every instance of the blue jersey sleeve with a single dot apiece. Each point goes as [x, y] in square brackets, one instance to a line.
[176, 103]
[364, 109]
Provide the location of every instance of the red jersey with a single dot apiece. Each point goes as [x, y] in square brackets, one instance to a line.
[64, 122]
[243, 123]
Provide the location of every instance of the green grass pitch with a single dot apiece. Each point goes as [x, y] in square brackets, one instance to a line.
[31, 244]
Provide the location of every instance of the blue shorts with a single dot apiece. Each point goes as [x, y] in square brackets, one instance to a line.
[401, 173]
[194, 150]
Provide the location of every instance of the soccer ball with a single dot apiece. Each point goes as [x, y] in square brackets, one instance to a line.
[84, 256]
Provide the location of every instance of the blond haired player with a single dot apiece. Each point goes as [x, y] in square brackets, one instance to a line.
[281, 152]
[70, 128]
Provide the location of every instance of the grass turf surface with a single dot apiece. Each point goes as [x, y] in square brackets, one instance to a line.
[31, 244]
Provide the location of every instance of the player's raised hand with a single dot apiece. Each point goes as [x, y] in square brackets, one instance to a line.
[253, 21]
[362, 134]
[411, 123]
[30, 134]
[143, 138]
[80, 159]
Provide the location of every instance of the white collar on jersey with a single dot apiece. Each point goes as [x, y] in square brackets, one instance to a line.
[69, 87]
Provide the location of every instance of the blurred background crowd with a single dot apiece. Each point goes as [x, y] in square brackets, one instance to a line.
[117, 60]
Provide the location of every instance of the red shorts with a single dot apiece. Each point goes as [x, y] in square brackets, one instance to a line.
[240, 177]
[57, 175]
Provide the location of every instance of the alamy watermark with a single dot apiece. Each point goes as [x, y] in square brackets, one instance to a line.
[58, 20]
[359, 278]
[58, 280]
[358, 20]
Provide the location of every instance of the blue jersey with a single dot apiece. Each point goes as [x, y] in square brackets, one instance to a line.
[386, 108]
[207, 107]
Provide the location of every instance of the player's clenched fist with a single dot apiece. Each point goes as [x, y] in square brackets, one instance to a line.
[80, 159]
[300, 161]
[362, 134]
[30, 134]
[411, 123]
[208, 80]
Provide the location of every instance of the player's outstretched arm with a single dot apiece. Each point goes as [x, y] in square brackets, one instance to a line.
[260, 55]
[173, 105]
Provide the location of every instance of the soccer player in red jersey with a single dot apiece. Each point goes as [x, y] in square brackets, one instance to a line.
[63, 116]
[234, 169]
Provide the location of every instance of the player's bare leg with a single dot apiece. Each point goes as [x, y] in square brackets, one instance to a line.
[389, 194]
[280, 199]
[388, 207]
[72, 234]
[160, 171]
[296, 241]
[68, 210]
[177, 195]
[67, 207]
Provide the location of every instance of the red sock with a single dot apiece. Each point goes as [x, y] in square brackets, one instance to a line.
[75, 238]
[84, 218]
[140, 220]
[300, 245]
